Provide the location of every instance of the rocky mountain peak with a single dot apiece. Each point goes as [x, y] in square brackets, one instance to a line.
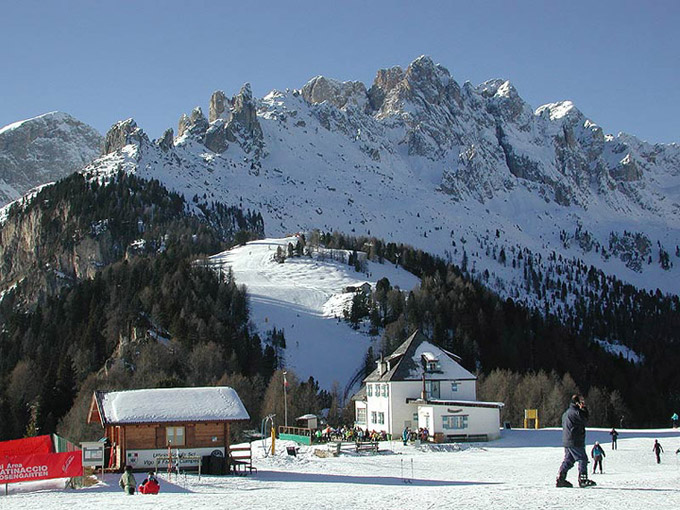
[219, 106]
[385, 81]
[43, 149]
[340, 94]
[123, 133]
[243, 121]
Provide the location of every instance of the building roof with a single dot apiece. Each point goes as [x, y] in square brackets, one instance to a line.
[451, 403]
[167, 405]
[406, 365]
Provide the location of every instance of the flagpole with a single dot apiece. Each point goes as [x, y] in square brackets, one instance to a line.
[285, 398]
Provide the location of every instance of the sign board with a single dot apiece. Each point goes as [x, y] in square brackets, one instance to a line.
[26, 468]
[146, 459]
[93, 453]
[27, 446]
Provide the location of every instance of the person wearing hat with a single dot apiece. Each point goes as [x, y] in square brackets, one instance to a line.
[574, 422]
[597, 453]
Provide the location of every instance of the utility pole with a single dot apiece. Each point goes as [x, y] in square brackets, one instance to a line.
[285, 398]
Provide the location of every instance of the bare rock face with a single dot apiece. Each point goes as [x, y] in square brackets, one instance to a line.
[42, 150]
[123, 133]
[220, 107]
[166, 142]
[385, 81]
[339, 94]
[182, 125]
[243, 123]
[216, 137]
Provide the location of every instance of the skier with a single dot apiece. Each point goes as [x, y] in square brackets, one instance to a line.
[574, 441]
[657, 449]
[674, 420]
[597, 453]
[405, 434]
[614, 435]
[127, 482]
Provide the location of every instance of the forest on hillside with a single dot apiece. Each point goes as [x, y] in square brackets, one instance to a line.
[497, 336]
[158, 315]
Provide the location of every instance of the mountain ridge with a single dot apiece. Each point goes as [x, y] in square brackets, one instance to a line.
[416, 158]
[43, 149]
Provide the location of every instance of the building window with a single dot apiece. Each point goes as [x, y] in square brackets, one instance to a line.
[361, 415]
[369, 390]
[374, 417]
[384, 390]
[415, 417]
[381, 418]
[174, 436]
[454, 386]
[459, 422]
[432, 389]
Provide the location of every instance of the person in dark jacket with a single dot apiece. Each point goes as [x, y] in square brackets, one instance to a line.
[657, 449]
[574, 422]
[597, 453]
[615, 436]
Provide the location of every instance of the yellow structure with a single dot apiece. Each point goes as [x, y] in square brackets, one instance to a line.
[530, 414]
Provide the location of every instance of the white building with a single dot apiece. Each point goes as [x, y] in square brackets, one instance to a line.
[421, 385]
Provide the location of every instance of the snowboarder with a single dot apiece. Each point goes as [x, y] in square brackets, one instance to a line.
[674, 420]
[614, 435]
[657, 449]
[597, 453]
[127, 481]
[574, 441]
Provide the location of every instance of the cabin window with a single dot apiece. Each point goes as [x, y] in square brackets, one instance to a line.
[432, 389]
[454, 386]
[381, 418]
[369, 390]
[361, 415]
[374, 417]
[174, 436]
[450, 422]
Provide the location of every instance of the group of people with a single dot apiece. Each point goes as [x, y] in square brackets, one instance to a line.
[346, 433]
[408, 434]
[574, 422]
[127, 482]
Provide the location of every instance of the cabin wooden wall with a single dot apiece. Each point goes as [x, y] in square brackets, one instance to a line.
[197, 435]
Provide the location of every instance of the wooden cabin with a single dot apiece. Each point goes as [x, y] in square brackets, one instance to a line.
[143, 426]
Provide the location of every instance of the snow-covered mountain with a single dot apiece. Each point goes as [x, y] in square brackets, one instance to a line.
[461, 171]
[43, 149]
[304, 298]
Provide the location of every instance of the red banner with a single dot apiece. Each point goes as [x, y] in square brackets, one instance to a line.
[26, 468]
[26, 446]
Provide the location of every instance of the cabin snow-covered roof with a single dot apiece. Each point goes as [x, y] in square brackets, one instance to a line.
[166, 405]
[406, 363]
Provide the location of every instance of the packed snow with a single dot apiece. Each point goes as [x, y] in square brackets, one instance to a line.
[305, 297]
[517, 471]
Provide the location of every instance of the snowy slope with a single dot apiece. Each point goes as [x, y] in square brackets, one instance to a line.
[517, 471]
[304, 297]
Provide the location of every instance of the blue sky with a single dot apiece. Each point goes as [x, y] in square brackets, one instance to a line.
[619, 62]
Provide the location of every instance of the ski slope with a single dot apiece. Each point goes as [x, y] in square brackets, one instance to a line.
[517, 471]
[305, 298]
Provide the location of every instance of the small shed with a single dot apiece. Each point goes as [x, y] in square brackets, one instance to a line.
[141, 425]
